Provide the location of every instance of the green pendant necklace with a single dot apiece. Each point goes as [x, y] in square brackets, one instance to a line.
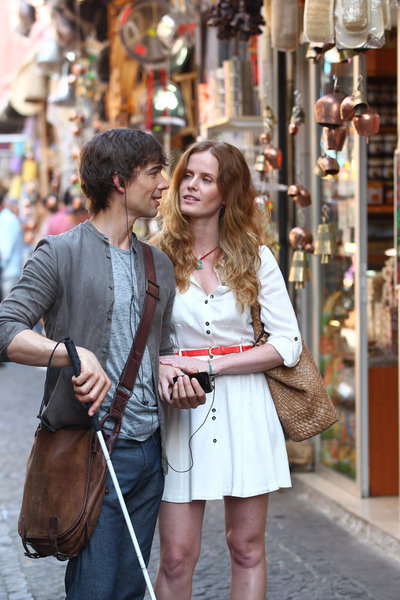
[200, 260]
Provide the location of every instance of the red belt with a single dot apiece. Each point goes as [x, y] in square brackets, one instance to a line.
[214, 350]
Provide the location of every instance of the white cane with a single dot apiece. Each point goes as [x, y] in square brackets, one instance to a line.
[76, 366]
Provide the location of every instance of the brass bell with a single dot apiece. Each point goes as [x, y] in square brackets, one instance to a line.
[360, 104]
[346, 54]
[300, 269]
[260, 164]
[326, 244]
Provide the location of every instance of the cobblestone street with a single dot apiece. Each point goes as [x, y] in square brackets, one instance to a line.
[309, 556]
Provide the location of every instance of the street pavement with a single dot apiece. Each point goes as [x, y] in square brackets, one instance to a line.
[309, 556]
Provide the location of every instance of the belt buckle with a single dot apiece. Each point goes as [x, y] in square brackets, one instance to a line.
[210, 349]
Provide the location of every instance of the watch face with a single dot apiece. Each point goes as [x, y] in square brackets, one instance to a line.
[155, 33]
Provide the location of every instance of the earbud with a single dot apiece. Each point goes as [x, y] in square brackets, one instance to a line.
[122, 184]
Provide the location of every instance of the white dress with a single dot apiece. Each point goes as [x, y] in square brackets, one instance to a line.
[234, 444]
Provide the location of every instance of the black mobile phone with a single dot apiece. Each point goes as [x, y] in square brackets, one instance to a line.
[203, 378]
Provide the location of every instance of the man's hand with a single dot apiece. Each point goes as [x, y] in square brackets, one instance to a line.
[92, 384]
[185, 393]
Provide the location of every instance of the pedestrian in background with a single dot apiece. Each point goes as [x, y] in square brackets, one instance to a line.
[233, 447]
[89, 283]
[11, 245]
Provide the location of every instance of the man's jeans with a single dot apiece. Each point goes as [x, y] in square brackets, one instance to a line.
[108, 568]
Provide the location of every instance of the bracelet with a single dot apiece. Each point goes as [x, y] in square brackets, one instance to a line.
[210, 369]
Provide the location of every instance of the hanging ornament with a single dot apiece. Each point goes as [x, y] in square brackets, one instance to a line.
[273, 156]
[261, 165]
[360, 104]
[298, 115]
[325, 243]
[327, 108]
[299, 194]
[300, 269]
[328, 165]
[368, 124]
[270, 157]
[334, 137]
[301, 238]
[346, 108]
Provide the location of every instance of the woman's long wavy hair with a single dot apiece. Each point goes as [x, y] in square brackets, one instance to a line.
[242, 224]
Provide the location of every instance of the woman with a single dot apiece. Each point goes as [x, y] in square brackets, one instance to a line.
[232, 447]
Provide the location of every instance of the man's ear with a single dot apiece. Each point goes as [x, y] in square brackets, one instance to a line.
[118, 183]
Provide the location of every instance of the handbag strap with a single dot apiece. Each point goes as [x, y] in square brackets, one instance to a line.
[126, 382]
[260, 335]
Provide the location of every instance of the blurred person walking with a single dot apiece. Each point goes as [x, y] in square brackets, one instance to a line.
[10, 247]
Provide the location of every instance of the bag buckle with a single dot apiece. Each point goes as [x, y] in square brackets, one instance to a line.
[124, 390]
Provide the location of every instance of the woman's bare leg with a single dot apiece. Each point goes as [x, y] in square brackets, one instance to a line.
[245, 521]
[180, 528]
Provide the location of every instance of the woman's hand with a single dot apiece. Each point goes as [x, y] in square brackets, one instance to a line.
[92, 384]
[184, 393]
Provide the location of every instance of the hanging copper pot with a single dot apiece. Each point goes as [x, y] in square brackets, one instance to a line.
[368, 123]
[346, 108]
[327, 110]
[274, 157]
[328, 165]
[334, 137]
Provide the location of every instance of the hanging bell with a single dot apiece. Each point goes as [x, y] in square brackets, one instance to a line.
[260, 164]
[360, 104]
[300, 269]
[274, 157]
[326, 244]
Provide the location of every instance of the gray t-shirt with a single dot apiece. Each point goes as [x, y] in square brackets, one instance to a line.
[140, 418]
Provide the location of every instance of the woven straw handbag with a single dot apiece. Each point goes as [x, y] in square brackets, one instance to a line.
[301, 400]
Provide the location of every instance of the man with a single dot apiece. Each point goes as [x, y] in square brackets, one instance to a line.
[89, 283]
[10, 247]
